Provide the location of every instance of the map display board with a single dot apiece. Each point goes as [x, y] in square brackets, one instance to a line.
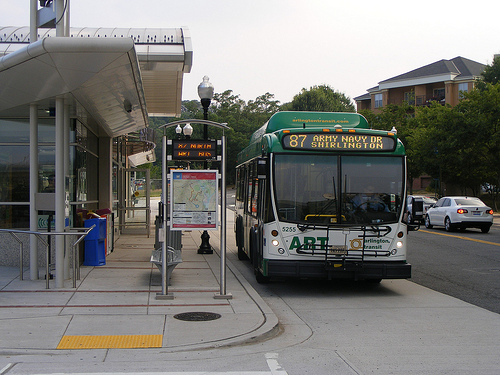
[194, 199]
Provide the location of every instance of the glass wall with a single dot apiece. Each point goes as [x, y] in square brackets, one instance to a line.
[14, 186]
[82, 184]
[84, 179]
[14, 168]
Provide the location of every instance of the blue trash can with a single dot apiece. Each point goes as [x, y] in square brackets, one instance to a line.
[95, 249]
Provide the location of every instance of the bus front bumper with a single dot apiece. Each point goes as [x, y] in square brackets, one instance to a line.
[338, 270]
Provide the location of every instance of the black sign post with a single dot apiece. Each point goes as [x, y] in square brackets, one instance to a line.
[189, 150]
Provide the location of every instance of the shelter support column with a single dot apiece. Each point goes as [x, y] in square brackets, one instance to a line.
[67, 246]
[33, 190]
[60, 192]
[33, 158]
[105, 172]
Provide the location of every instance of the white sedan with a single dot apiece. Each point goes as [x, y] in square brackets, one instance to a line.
[460, 213]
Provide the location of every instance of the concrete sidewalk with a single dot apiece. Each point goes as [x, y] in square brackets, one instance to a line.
[115, 305]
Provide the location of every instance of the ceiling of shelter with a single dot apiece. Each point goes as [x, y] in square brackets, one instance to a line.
[118, 75]
[102, 75]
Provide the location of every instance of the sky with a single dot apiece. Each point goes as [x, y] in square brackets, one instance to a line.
[281, 46]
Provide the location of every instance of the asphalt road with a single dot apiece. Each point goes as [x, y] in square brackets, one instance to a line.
[465, 265]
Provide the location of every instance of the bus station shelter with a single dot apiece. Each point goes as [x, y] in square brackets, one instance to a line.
[74, 115]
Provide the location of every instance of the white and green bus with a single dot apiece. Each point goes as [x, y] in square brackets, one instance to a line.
[321, 195]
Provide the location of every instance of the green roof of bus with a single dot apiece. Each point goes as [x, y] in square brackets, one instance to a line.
[293, 119]
[303, 120]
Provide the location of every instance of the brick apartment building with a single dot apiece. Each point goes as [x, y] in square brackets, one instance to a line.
[441, 81]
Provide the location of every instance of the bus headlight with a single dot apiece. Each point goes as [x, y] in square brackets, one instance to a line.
[394, 252]
[399, 244]
[281, 251]
[275, 242]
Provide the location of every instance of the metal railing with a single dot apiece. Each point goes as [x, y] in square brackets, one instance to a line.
[140, 222]
[80, 232]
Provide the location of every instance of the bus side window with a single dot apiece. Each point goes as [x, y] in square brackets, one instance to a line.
[238, 186]
[255, 196]
[249, 176]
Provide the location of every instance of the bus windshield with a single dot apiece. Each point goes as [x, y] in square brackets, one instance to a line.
[338, 190]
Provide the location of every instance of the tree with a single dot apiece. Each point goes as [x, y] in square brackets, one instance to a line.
[243, 119]
[401, 117]
[320, 98]
[481, 110]
[491, 73]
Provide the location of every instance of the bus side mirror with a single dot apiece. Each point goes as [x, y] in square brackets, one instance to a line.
[261, 169]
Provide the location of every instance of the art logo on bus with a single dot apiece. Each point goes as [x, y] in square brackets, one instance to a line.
[354, 244]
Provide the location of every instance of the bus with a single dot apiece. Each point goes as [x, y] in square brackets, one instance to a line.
[321, 195]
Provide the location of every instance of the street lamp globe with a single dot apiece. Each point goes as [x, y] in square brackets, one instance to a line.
[206, 89]
[178, 131]
[188, 130]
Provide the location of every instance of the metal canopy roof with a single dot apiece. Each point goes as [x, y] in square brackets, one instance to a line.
[112, 73]
[102, 75]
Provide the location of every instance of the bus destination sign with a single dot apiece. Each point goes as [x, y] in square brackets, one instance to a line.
[338, 142]
[190, 149]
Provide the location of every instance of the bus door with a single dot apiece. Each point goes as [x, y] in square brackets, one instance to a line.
[261, 206]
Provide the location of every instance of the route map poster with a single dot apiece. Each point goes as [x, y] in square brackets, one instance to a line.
[194, 199]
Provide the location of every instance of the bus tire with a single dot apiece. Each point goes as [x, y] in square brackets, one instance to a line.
[239, 239]
[261, 279]
[241, 254]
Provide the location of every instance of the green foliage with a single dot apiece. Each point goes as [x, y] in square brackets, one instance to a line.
[481, 110]
[226, 107]
[243, 119]
[491, 74]
[401, 117]
[458, 146]
[320, 98]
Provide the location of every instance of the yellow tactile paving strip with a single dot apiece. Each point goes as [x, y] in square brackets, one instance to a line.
[111, 342]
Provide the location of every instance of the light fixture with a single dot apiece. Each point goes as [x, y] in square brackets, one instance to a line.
[206, 89]
[206, 93]
[178, 130]
[188, 130]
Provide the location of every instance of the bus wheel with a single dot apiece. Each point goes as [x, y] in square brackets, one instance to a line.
[239, 239]
[241, 254]
[261, 279]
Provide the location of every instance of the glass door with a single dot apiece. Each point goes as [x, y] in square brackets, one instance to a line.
[135, 205]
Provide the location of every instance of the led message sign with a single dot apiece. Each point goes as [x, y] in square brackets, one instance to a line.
[338, 142]
[194, 149]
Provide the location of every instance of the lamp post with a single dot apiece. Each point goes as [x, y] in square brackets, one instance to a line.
[206, 93]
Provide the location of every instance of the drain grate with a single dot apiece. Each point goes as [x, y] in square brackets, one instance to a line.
[197, 316]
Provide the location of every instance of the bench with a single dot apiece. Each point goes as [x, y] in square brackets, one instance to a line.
[173, 259]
